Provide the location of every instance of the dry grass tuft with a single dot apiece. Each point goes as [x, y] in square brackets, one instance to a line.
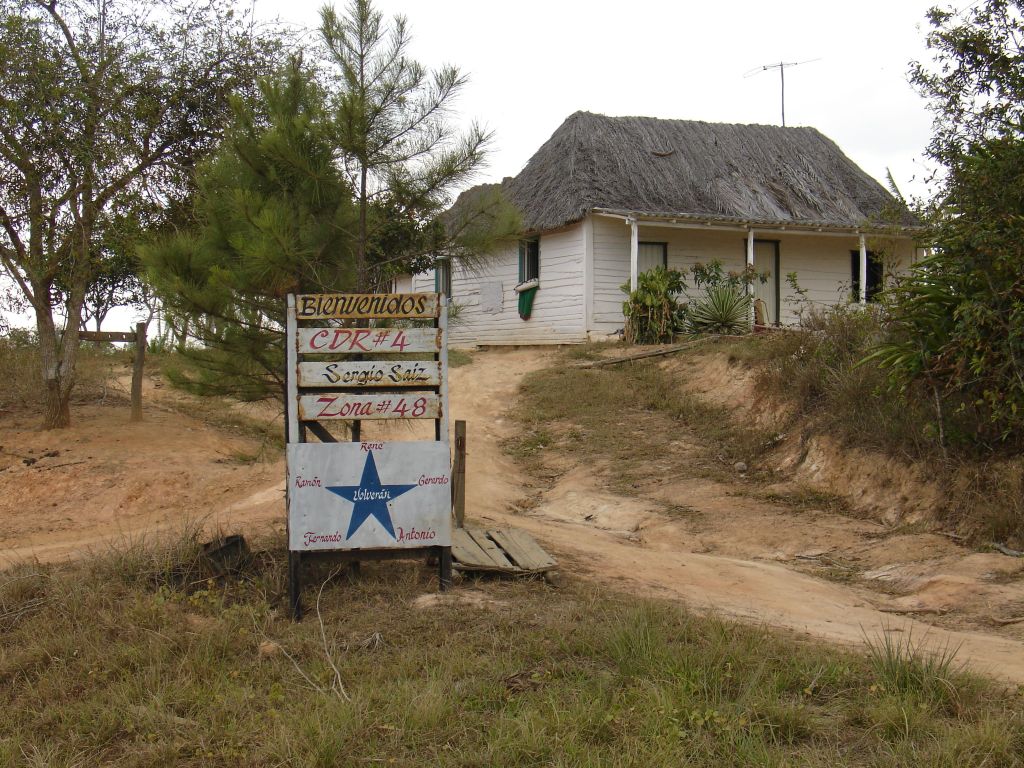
[21, 373]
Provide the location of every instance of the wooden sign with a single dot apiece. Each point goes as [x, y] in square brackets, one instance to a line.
[139, 337]
[363, 500]
[345, 306]
[369, 495]
[371, 373]
[327, 341]
[328, 406]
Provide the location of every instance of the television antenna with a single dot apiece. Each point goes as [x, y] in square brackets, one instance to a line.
[781, 66]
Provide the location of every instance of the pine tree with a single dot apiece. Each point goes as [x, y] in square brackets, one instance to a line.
[404, 159]
[274, 215]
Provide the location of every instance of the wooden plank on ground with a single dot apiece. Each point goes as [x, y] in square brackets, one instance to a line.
[492, 550]
[522, 549]
[647, 353]
[465, 551]
[467, 555]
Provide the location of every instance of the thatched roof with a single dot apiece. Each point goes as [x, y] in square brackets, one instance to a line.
[690, 169]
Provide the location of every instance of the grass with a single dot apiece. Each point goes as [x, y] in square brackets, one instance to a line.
[803, 498]
[139, 658]
[629, 415]
[459, 357]
[21, 373]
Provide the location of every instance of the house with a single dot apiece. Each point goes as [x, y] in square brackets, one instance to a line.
[606, 198]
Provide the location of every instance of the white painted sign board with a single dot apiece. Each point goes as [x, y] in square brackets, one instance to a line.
[329, 341]
[371, 373]
[330, 405]
[365, 497]
[491, 297]
[368, 495]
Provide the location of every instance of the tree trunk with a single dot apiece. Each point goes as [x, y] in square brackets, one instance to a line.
[57, 406]
[361, 281]
[57, 376]
[58, 353]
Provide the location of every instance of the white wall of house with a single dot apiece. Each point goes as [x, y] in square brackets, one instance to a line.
[821, 262]
[489, 305]
[611, 270]
[403, 284]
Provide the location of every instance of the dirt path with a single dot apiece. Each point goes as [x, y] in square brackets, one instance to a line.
[628, 544]
[105, 480]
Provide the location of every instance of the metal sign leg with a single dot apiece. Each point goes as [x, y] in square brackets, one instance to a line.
[445, 569]
[295, 584]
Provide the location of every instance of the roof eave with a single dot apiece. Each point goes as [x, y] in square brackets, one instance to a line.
[738, 222]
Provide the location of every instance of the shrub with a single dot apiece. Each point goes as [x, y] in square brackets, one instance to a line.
[721, 303]
[825, 370]
[22, 377]
[651, 309]
[819, 369]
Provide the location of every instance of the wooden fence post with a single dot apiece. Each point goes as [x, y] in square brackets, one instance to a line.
[459, 475]
[140, 358]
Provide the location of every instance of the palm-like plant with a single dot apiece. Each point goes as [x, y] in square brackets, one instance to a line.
[724, 308]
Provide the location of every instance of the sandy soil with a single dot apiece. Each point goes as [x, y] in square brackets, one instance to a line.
[829, 576]
[107, 481]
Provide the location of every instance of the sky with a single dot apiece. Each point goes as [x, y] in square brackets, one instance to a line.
[532, 63]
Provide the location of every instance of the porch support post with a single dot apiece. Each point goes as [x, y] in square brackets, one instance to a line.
[752, 316]
[863, 271]
[634, 254]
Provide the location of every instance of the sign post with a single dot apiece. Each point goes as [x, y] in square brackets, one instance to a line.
[364, 499]
[138, 363]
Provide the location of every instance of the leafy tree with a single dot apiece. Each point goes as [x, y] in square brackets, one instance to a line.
[101, 100]
[115, 278]
[330, 183]
[957, 322]
[274, 215]
[390, 117]
[975, 83]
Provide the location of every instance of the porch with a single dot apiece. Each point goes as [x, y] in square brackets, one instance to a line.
[827, 263]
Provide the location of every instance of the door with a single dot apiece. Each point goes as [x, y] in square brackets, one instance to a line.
[766, 260]
[651, 255]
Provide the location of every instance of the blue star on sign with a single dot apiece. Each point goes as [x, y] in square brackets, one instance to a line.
[370, 498]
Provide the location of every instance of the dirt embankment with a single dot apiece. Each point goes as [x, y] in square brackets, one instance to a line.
[724, 544]
[891, 491]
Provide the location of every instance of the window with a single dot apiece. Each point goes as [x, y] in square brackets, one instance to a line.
[651, 255]
[443, 277]
[876, 276]
[529, 259]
